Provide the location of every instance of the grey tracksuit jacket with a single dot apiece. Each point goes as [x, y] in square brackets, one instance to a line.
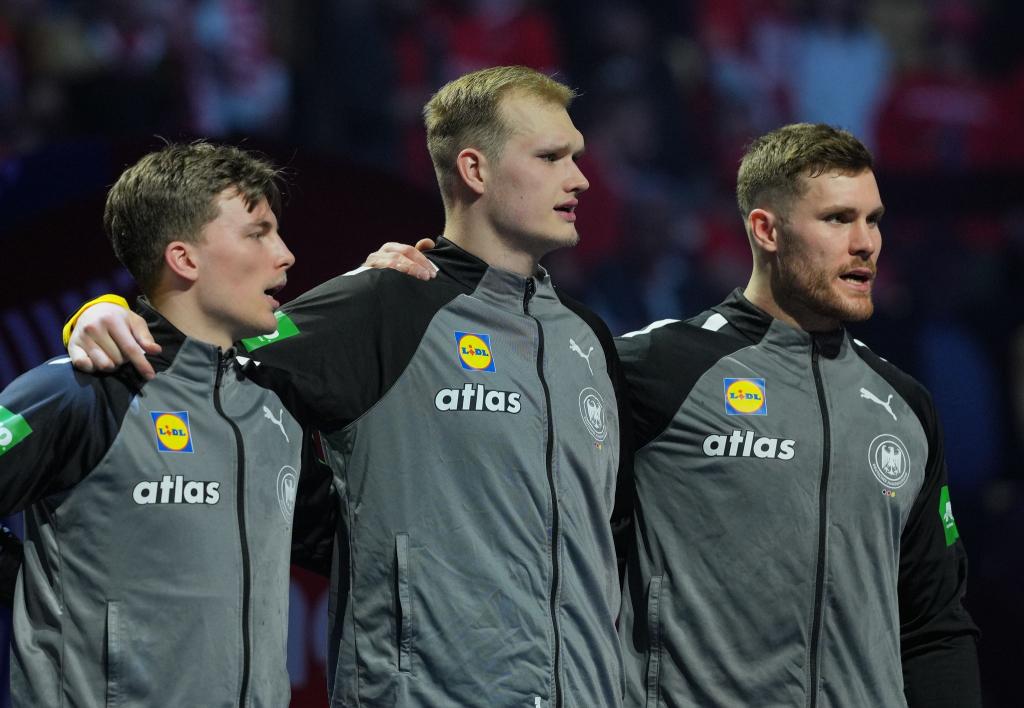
[473, 429]
[795, 544]
[157, 532]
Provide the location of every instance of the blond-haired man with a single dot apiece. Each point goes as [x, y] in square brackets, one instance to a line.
[473, 429]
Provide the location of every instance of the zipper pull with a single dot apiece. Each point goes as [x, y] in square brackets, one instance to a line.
[531, 288]
[224, 358]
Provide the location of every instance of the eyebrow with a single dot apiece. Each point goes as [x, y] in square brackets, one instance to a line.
[262, 225]
[847, 210]
[561, 147]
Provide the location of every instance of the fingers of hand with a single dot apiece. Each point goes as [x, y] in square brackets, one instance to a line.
[403, 258]
[79, 358]
[425, 268]
[102, 355]
[140, 333]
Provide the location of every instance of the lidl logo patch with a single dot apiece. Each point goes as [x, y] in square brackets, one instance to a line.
[745, 397]
[173, 433]
[285, 329]
[13, 429]
[475, 351]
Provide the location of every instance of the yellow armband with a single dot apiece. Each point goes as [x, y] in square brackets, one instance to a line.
[115, 299]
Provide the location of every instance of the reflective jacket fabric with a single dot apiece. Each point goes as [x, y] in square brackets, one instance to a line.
[473, 430]
[157, 532]
[795, 542]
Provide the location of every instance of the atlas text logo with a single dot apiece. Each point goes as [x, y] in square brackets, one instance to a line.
[474, 397]
[175, 490]
[746, 444]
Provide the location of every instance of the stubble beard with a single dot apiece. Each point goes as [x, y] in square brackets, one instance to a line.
[801, 290]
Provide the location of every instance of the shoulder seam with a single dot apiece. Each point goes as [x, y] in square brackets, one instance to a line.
[649, 328]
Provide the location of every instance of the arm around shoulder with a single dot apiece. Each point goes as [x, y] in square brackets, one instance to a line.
[104, 334]
[323, 358]
[54, 425]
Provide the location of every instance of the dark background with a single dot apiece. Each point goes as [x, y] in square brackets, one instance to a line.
[670, 94]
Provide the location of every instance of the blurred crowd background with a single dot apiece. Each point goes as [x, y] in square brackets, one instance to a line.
[671, 92]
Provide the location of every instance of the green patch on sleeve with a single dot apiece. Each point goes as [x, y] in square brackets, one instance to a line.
[13, 429]
[946, 514]
[285, 329]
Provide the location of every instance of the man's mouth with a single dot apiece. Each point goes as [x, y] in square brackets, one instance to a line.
[858, 278]
[271, 292]
[568, 209]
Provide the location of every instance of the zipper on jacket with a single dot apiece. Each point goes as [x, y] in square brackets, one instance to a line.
[531, 288]
[819, 573]
[224, 360]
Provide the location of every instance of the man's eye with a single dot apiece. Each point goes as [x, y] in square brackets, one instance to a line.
[550, 157]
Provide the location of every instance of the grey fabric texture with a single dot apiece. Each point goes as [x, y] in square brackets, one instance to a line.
[133, 588]
[475, 502]
[723, 595]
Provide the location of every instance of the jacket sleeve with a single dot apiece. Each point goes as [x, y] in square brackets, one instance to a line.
[938, 637]
[54, 427]
[11, 555]
[320, 359]
[316, 510]
[622, 511]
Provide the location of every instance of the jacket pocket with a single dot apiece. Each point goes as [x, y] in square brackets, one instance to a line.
[114, 640]
[654, 592]
[403, 603]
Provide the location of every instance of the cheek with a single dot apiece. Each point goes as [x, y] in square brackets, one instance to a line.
[516, 201]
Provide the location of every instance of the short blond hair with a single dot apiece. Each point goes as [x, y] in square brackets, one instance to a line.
[465, 113]
[771, 169]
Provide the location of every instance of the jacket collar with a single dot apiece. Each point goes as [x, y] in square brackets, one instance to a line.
[501, 287]
[753, 323]
[177, 349]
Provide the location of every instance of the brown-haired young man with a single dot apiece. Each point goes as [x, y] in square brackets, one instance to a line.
[473, 428]
[158, 515]
[795, 543]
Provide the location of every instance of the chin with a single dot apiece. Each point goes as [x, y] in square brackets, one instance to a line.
[541, 245]
[861, 313]
[269, 327]
[853, 309]
[260, 327]
[567, 240]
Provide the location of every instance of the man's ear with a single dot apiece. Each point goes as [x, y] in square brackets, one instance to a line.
[763, 227]
[472, 167]
[180, 258]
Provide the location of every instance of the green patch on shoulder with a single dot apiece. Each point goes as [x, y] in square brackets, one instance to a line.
[285, 329]
[13, 429]
[946, 514]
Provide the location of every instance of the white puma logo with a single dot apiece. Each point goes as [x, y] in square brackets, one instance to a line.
[573, 346]
[864, 393]
[276, 421]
